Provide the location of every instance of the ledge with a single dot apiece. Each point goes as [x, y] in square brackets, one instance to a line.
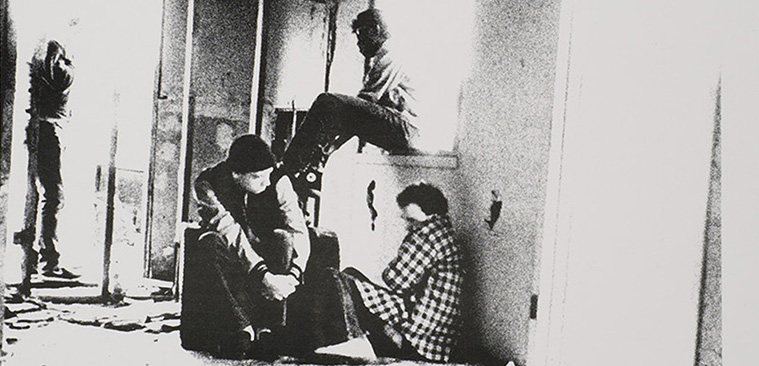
[447, 160]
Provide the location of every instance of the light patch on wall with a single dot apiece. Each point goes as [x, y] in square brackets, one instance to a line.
[167, 151]
[434, 37]
[224, 136]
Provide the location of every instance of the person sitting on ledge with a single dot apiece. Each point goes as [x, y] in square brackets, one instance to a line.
[383, 114]
[416, 315]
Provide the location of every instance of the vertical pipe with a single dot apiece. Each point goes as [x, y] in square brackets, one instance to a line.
[150, 177]
[331, 40]
[254, 124]
[261, 49]
[109, 207]
[186, 105]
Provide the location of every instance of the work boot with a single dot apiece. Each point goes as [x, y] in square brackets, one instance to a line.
[264, 347]
[307, 184]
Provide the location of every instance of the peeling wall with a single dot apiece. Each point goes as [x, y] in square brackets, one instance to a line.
[223, 56]
[294, 57]
[167, 136]
[7, 88]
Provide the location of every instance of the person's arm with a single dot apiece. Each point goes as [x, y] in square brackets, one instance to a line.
[384, 75]
[277, 285]
[415, 256]
[215, 216]
[60, 71]
[295, 224]
[210, 208]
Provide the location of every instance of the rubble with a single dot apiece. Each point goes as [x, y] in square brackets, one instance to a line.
[146, 313]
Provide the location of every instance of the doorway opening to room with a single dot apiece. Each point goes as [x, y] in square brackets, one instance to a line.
[105, 144]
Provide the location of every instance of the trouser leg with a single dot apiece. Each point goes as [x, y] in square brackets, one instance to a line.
[49, 174]
[25, 238]
[375, 328]
[232, 297]
[31, 204]
[230, 292]
[333, 119]
[212, 315]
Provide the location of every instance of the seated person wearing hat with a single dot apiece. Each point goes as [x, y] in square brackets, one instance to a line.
[254, 244]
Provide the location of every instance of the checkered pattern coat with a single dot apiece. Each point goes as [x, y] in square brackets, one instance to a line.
[423, 295]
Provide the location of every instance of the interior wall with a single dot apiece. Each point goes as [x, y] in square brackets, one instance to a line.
[740, 177]
[503, 142]
[634, 179]
[223, 53]
[165, 164]
[294, 57]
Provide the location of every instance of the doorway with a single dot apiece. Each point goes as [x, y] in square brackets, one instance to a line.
[115, 63]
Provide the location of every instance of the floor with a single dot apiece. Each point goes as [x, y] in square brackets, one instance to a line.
[57, 326]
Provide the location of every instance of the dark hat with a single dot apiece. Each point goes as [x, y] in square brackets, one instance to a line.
[249, 153]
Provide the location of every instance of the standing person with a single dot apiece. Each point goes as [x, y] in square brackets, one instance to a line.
[51, 78]
[253, 246]
[417, 313]
[383, 113]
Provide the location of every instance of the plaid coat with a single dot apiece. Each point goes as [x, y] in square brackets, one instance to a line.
[423, 295]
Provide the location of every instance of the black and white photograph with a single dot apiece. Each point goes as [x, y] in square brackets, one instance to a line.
[378, 182]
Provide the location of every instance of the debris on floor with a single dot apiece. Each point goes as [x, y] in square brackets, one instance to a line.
[152, 309]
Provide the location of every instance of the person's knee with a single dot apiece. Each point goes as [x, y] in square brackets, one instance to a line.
[53, 196]
[212, 240]
[282, 250]
[354, 273]
[325, 101]
[325, 97]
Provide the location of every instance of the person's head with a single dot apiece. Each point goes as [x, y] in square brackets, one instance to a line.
[251, 161]
[418, 202]
[371, 31]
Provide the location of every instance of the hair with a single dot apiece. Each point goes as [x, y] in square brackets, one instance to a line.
[429, 198]
[249, 153]
[371, 17]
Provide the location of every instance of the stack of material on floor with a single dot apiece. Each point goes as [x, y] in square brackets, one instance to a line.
[153, 317]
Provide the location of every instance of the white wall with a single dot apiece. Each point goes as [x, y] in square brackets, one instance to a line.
[740, 91]
[633, 183]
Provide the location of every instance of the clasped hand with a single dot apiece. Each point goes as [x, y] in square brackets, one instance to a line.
[278, 287]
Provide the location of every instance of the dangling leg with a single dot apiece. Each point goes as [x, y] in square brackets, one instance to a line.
[332, 120]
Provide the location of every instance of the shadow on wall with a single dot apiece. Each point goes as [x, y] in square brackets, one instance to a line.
[470, 349]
